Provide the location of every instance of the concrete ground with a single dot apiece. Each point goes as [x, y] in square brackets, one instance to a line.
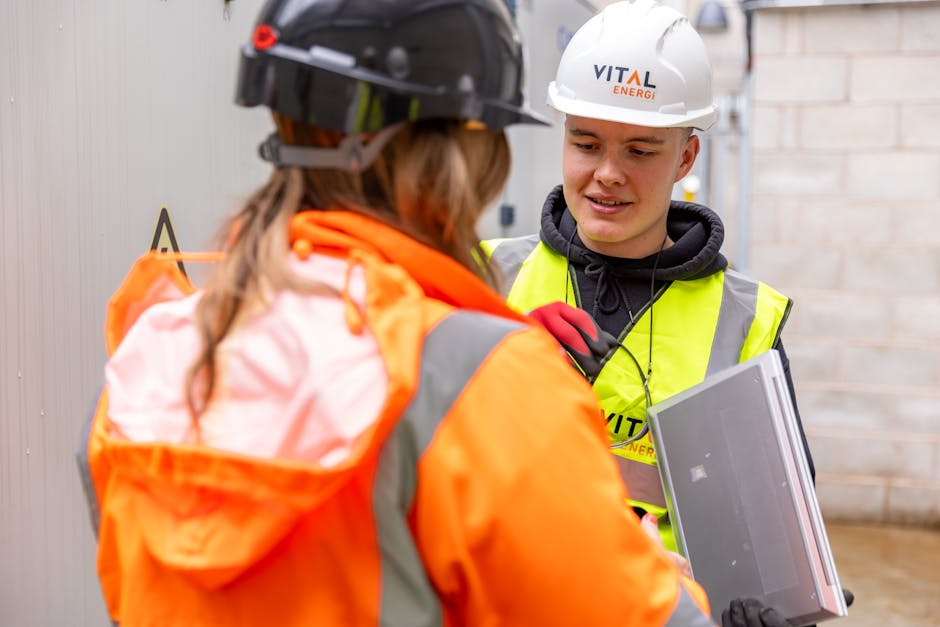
[893, 571]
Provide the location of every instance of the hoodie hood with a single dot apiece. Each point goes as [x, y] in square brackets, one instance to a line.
[696, 230]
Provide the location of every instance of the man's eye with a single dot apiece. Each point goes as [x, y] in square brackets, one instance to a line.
[641, 153]
[584, 146]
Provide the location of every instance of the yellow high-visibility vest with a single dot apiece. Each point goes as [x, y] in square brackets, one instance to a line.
[700, 327]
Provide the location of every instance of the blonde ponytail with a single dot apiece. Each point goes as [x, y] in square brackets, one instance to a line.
[432, 181]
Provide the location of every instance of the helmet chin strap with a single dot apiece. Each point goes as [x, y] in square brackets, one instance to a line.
[352, 154]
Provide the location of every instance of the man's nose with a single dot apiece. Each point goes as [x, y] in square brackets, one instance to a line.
[609, 171]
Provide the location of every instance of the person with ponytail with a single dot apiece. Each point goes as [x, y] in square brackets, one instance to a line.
[347, 425]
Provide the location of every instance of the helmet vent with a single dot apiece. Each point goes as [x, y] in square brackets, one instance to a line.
[465, 84]
[397, 62]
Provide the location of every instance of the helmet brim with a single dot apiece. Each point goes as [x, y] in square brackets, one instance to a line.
[352, 100]
[701, 119]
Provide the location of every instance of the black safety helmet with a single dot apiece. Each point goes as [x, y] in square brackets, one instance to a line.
[363, 65]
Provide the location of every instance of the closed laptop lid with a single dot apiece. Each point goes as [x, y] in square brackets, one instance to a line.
[740, 494]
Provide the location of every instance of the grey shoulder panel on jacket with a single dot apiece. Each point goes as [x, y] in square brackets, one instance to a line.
[452, 353]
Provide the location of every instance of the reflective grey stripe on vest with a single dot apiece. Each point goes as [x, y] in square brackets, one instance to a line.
[642, 481]
[738, 308]
[687, 613]
[452, 353]
[509, 255]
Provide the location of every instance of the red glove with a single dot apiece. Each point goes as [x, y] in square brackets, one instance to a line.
[586, 343]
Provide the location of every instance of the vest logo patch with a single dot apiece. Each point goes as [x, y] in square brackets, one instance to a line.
[623, 427]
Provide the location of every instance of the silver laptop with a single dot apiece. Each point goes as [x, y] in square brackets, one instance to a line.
[740, 494]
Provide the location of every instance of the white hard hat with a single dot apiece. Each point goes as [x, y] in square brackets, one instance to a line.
[638, 62]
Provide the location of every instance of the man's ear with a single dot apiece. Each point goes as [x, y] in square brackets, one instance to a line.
[687, 156]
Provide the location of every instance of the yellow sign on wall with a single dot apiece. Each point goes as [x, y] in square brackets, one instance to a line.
[164, 238]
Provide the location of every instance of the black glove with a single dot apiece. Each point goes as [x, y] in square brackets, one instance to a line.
[849, 597]
[573, 328]
[751, 613]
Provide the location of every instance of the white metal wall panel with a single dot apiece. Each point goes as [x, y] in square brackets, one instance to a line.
[109, 109]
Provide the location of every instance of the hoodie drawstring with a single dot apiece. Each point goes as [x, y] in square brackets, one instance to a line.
[609, 295]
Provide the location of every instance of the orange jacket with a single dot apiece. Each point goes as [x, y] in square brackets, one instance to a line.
[462, 479]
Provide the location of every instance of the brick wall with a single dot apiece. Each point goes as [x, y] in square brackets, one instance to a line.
[846, 220]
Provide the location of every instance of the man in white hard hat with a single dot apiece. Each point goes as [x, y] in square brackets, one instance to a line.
[634, 84]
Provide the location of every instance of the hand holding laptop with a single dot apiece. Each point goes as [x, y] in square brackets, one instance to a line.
[649, 524]
[751, 613]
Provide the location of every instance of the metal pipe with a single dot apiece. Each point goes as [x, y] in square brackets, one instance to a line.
[744, 121]
[719, 167]
[705, 169]
[743, 242]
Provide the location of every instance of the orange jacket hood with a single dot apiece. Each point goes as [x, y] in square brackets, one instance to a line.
[212, 515]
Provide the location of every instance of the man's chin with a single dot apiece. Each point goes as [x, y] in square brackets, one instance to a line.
[601, 241]
[603, 233]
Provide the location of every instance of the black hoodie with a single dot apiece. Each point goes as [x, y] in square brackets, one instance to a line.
[615, 290]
